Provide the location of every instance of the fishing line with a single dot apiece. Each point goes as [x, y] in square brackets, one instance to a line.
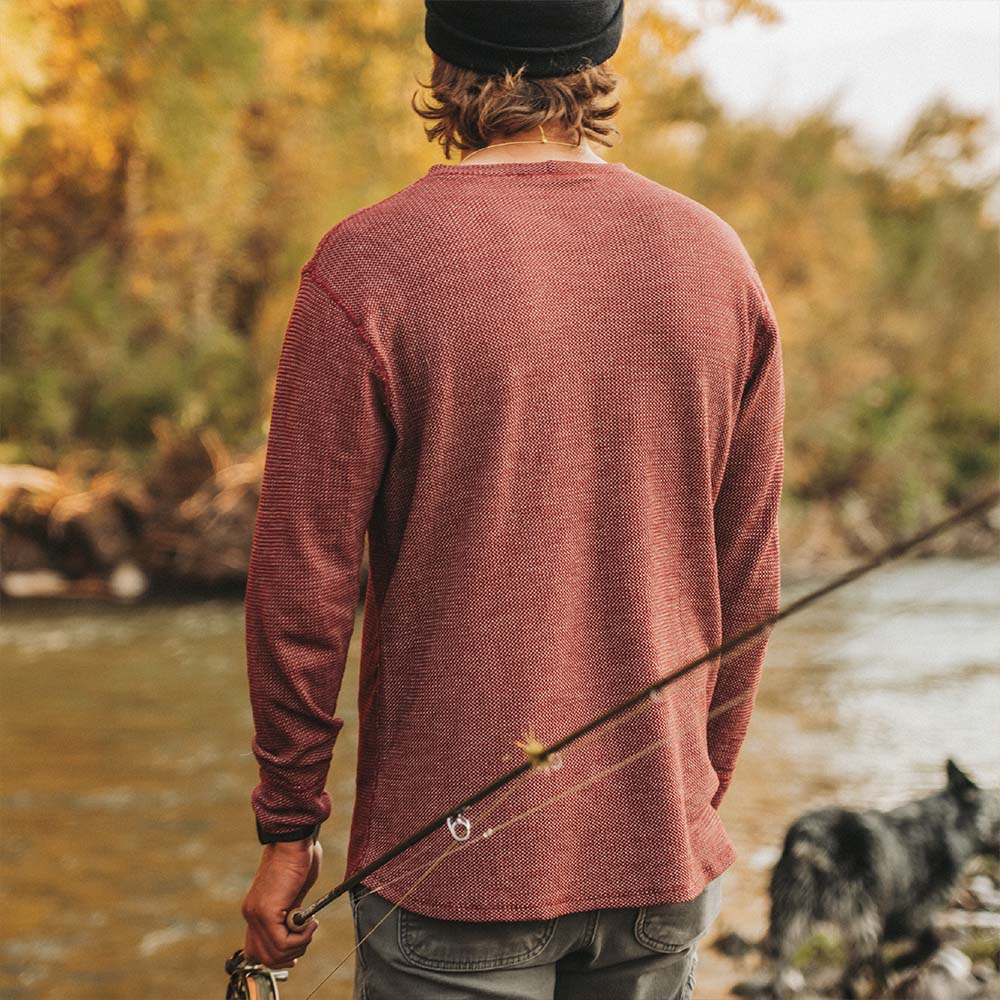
[419, 859]
[541, 755]
[429, 849]
[298, 918]
[447, 852]
[489, 832]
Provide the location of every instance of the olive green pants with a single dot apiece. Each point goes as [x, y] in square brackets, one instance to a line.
[619, 953]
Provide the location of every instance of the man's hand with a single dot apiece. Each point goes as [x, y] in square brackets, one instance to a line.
[286, 873]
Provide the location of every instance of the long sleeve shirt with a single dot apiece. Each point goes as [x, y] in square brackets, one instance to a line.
[550, 394]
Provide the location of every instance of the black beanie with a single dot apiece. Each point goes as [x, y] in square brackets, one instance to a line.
[551, 37]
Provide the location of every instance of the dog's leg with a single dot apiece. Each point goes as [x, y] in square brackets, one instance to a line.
[862, 934]
[785, 934]
[794, 892]
[926, 942]
[880, 975]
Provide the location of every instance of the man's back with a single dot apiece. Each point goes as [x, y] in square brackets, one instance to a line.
[551, 391]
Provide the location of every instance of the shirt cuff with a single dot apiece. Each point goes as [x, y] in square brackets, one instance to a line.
[300, 833]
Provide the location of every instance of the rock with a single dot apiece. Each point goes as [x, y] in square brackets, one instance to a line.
[764, 858]
[34, 583]
[946, 975]
[984, 972]
[733, 945]
[127, 581]
[986, 892]
[761, 985]
[979, 920]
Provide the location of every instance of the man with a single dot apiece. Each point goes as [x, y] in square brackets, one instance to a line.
[550, 391]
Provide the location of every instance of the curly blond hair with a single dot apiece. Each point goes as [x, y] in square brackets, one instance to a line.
[473, 108]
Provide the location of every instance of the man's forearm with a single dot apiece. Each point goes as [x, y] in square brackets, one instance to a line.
[746, 535]
[327, 446]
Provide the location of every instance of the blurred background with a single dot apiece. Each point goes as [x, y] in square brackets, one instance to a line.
[168, 167]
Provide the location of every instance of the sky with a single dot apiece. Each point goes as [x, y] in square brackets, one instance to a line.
[882, 58]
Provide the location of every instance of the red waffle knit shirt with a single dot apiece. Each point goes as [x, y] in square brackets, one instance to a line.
[551, 394]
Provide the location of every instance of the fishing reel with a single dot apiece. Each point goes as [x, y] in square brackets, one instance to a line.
[251, 981]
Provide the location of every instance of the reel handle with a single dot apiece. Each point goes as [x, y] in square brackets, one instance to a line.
[250, 980]
[295, 920]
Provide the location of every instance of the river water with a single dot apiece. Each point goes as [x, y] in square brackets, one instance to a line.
[128, 842]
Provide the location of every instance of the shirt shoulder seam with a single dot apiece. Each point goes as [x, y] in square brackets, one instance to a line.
[380, 368]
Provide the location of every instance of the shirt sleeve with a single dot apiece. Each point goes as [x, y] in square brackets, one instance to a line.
[327, 444]
[746, 539]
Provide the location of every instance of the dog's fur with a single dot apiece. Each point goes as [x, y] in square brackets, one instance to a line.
[877, 876]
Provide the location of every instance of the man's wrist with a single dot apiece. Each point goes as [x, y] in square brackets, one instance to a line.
[302, 833]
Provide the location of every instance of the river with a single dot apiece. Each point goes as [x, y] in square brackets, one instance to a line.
[128, 841]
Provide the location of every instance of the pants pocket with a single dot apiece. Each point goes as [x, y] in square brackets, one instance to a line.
[673, 927]
[471, 946]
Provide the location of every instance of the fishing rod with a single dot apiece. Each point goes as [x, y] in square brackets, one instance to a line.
[297, 918]
[429, 863]
[258, 983]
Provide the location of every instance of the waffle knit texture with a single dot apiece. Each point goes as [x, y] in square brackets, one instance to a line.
[551, 394]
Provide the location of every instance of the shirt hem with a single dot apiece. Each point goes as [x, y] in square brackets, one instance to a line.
[562, 907]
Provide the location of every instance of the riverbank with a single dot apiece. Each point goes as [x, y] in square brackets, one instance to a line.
[966, 966]
[183, 524]
[127, 757]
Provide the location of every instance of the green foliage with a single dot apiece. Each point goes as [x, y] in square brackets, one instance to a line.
[98, 367]
[819, 951]
[983, 948]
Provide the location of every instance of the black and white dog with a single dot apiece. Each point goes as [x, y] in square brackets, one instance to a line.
[877, 876]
